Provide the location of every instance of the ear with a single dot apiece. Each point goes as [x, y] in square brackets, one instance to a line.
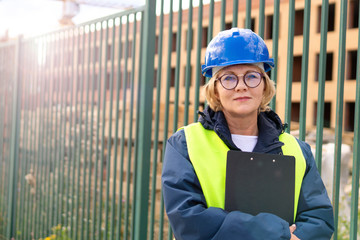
[264, 89]
[216, 92]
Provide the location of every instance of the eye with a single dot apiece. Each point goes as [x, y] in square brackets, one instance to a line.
[252, 75]
[229, 78]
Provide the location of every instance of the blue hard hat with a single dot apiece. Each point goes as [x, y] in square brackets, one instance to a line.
[236, 46]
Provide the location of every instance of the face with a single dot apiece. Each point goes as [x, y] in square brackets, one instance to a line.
[242, 101]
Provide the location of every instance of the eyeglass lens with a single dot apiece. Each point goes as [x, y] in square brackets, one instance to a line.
[251, 79]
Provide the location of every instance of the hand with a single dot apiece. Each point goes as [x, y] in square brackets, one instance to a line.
[292, 228]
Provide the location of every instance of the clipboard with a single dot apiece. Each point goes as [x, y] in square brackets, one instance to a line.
[260, 183]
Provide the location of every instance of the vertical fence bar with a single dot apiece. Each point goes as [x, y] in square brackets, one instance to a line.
[73, 129]
[60, 74]
[108, 157]
[211, 21]
[198, 59]
[71, 137]
[211, 26]
[156, 122]
[5, 138]
[56, 91]
[93, 82]
[49, 162]
[290, 56]
[223, 13]
[123, 127]
[38, 130]
[145, 114]
[53, 134]
[74, 109]
[17, 121]
[52, 168]
[27, 143]
[304, 70]
[24, 152]
[235, 13]
[177, 68]
[32, 192]
[100, 207]
[3, 129]
[32, 138]
[55, 139]
[275, 45]
[119, 212]
[31, 145]
[321, 86]
[261, 18]
[63, 114]
[40, 145]
[82, 203]
[189, 45]
[248, 14]
[43, 161]
[176, 87]
[9, 137]
[128, 142]
[14, 147]
[156, 125]
[80, 87]
[131, 117]
[43, 139]
[129, 223]
[118, 74]
[167, 103]
[21, 168]
[19, 152]
[356, 155]
[339, 115]
[95, 228]
[136, 143]
[44, 143]
[87, 159]
[2, 121]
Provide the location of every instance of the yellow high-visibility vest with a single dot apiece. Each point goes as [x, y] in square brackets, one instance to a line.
[208, 153]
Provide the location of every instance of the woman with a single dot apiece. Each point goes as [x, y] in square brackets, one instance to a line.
[239, 118]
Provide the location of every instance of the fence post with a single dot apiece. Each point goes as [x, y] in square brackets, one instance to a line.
[321, 86]
[354, 213]
[145, 121]
[14, 146]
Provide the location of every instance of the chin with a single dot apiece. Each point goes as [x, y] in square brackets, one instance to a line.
[244, 113]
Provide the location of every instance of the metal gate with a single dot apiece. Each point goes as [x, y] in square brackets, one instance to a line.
[86, 112]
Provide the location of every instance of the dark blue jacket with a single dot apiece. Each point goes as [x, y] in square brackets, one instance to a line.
[186, 206]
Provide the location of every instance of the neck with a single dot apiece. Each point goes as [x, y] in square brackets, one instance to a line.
[242, 125]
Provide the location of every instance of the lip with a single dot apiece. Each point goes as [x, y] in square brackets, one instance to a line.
[242, 98]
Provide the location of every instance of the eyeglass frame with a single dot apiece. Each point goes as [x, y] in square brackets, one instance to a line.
[243, 78]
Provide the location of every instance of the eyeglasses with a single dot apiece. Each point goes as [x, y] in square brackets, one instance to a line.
[251, 80]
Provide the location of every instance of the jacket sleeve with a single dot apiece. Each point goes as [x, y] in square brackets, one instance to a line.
[315, 213]
[186, 206]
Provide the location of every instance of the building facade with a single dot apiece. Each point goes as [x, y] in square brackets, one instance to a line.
[332, 53]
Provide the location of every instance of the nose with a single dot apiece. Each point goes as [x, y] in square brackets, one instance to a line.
[241, 84]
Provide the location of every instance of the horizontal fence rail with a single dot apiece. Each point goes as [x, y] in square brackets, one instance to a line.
[86, 110]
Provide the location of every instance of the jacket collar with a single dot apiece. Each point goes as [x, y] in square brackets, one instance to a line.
[269, 124]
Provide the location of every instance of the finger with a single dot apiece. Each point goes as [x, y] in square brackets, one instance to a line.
[292, 228]
[293, 237]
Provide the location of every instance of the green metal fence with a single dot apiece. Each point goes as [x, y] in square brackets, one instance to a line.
[86, 112]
